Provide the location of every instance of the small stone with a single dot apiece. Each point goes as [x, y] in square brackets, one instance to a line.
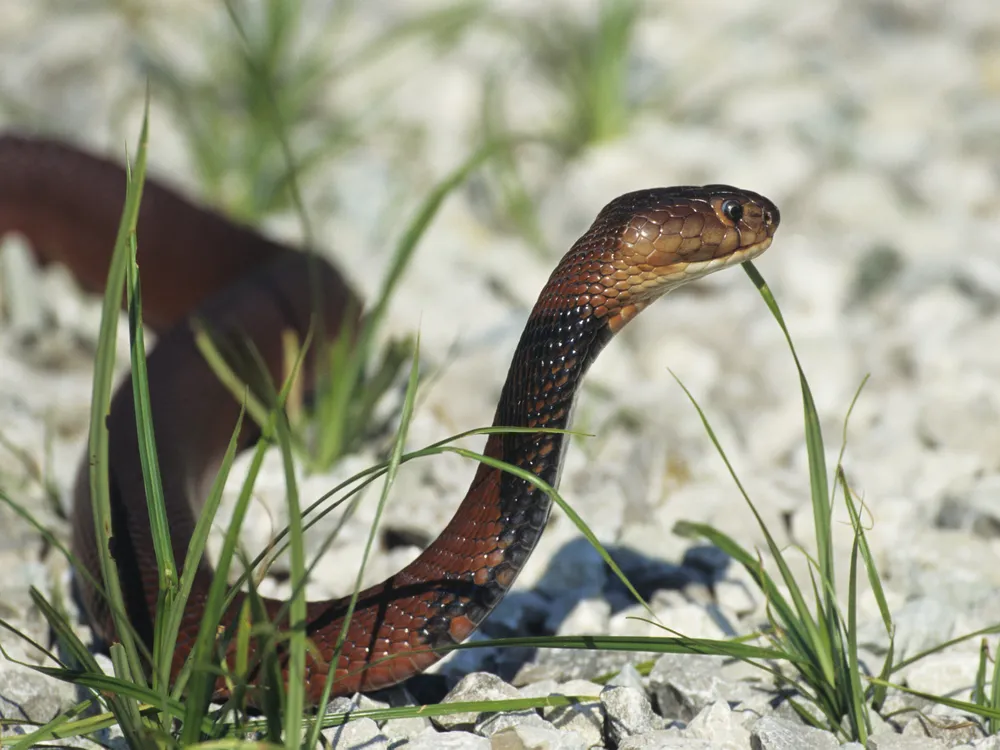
[685, 683]
[587, 617]
[343, 704]
[969, 508]
[491, 723]
[949, 727]
[943, 673]
[483, 686]
[529, 737]
[665, 739]
[360, 734]
[431, 739]
[736, 597]
[365, 702]
[899, 742]
[628, 676]
[27, 694]
[720, 725]
[478, 686]
[921, 624]
[880, 725]
[585, 719]
[770, 733]
[628, 713]
[399, 730]
[561, 664]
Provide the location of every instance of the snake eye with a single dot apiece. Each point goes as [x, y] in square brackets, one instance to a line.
[733, 210]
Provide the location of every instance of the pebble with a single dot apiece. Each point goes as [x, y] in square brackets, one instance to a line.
[685, 684]
[628, 713]
[770, 733]
[358, 734]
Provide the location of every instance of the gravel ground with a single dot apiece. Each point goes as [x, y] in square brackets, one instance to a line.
[875, 128]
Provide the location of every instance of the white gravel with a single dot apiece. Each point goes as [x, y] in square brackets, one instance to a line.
[873, 126]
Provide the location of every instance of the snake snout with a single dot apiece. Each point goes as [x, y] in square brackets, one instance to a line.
[772, 216]
[672, 236]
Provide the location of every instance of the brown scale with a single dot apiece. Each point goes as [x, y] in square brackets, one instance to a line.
[196, 262]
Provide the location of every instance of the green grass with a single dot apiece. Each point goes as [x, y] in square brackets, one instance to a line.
[256, 131]
[806, 621]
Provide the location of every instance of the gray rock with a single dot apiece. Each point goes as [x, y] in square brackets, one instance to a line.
[922, 624]
[563, 665]
[883, 726]
[478, 686]
[899, 742]
[430, 739]
[491, 723]
[945, 725]
[737, 597]
[628, 713]
[721, 726]
[692, 619]
[26, 694]
[483, 686]
[586, 617]
[628, 676]
[769, 733]
[360, 734]
[970, 509]
[399, 730]
[959, 419]
[341, 704]
[945, 673]
[684, 684]
[666, 739]
[530, 737]
[585, 719]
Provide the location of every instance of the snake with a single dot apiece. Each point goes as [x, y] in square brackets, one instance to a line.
[197, 263]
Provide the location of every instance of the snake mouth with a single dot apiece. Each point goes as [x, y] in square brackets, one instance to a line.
[747, 253]
[679, 273]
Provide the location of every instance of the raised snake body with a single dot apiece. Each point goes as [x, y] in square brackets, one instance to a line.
[193, 260]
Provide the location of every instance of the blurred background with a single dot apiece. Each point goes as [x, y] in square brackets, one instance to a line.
[873, 124]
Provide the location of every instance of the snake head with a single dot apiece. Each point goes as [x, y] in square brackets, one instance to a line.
[646, 243]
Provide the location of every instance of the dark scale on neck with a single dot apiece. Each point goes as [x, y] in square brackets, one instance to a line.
[552, 356]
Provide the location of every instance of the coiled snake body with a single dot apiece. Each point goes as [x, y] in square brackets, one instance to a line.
[193, 260]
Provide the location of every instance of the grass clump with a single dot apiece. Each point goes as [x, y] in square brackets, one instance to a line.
[815, 638]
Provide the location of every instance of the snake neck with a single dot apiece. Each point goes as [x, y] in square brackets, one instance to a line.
[555, 351]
